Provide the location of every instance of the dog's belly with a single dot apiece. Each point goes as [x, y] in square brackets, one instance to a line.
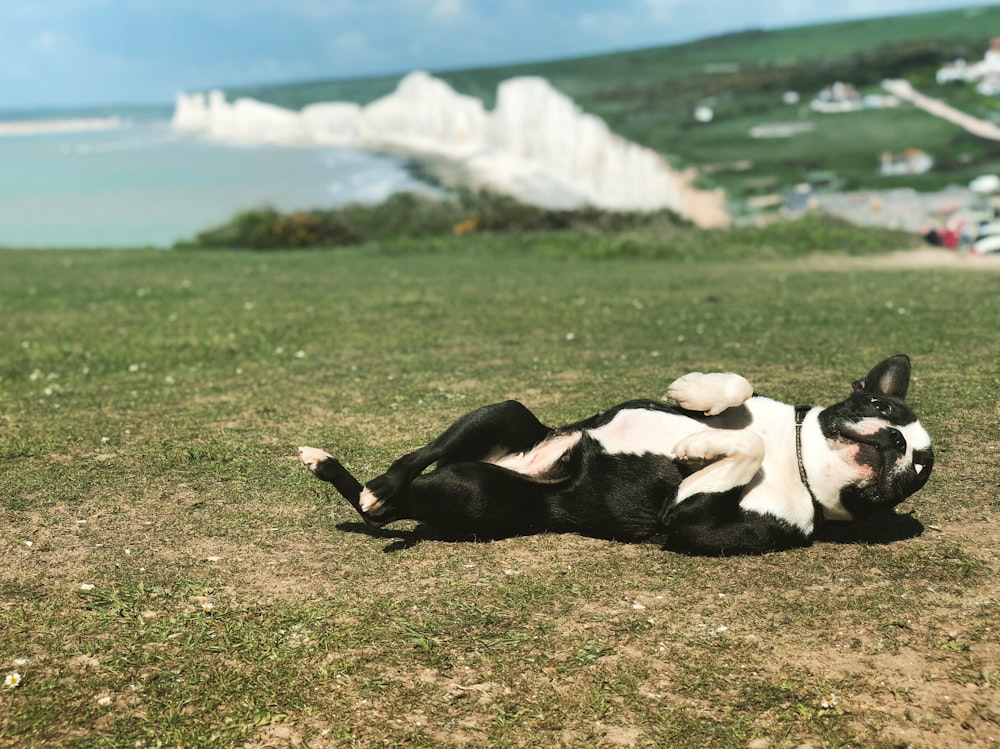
[630, 432]
[638, 431]
[541, 458]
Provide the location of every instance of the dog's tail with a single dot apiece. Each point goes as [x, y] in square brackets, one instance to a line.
[325, 467]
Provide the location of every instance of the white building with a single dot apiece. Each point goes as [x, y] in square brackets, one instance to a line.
[844, 97]
[910, 161]
[985, 73]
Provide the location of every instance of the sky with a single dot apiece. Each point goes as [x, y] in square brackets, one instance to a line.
[66, 53]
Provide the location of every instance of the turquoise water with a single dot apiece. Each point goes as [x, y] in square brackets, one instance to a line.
[143, 184]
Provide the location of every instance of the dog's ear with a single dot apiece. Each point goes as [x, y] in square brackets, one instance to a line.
[889, 377]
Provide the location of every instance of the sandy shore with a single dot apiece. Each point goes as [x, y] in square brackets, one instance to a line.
[38, 127]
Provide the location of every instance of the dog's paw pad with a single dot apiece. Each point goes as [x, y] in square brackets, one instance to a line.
[311, 457]
[371, 504]
[685, 391]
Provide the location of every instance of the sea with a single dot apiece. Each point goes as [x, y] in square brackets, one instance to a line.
[127, 179]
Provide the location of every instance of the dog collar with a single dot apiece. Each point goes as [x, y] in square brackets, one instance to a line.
[800, 415]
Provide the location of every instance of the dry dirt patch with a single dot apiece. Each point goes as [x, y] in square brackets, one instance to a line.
[924, 258]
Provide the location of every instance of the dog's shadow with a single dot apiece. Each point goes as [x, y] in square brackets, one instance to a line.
[875, 531]
[402, 538]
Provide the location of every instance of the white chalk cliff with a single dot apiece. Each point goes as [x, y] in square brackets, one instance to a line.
[536, 144]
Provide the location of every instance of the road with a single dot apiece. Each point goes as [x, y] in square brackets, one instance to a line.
[903, 90]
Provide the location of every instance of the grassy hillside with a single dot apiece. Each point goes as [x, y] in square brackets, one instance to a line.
[649, 96]
[173, 577]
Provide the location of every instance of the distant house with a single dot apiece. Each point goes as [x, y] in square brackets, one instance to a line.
[985, 73]
[844, 97]
[880, 101]
[910, 161]
[839, 97]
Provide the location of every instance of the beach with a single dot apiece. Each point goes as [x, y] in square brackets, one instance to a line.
[85, 181]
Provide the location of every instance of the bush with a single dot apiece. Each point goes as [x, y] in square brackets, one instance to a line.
[409, 215]
[583, 232]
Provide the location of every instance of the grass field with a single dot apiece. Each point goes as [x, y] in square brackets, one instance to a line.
[173, 577]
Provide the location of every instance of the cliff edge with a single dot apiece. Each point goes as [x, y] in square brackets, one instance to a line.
[536, 144]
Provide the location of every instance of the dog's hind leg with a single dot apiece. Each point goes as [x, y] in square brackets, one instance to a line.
[710, 393]
[327, 468]
[485, 433]
[475, 499]
[465, 498]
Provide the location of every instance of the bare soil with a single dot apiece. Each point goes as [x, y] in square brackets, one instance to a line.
[925, 258]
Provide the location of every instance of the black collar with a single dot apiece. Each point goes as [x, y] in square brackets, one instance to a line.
[800, 415]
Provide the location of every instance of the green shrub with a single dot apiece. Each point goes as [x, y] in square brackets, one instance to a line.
[582, 232]
[412, 215]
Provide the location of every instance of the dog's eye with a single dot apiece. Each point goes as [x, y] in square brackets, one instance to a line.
[883, 407]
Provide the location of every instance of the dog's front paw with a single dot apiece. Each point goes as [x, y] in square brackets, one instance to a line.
[710, 393]
[700, 447]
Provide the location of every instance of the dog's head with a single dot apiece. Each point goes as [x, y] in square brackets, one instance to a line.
[881, 437]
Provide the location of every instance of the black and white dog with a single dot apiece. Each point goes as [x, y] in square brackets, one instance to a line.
[722, 472]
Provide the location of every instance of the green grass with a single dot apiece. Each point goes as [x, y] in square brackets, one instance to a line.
[649, 96]
[409, 223]
[151, 404]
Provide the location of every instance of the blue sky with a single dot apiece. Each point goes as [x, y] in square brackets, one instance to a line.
[81, 52]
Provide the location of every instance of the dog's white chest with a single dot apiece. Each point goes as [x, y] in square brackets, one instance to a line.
[644, 432]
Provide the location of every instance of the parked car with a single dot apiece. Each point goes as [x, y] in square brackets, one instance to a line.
[986, 244]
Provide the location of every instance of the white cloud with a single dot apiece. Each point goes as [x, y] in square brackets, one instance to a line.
[607, 27]
[660, 11]
[437, 11]
[352, 49]
[446, 10]
[97, 50]
[45, 42]
[313, 10]
[275, 69]
[625, 24]
[350, 43]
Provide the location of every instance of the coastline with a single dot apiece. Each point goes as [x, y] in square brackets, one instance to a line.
[82, 183]
[535, 144]
[9, 128]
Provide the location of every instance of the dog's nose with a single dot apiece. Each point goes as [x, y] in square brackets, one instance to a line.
[898, 440]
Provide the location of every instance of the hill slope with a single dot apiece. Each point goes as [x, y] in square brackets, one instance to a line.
[649, 96]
